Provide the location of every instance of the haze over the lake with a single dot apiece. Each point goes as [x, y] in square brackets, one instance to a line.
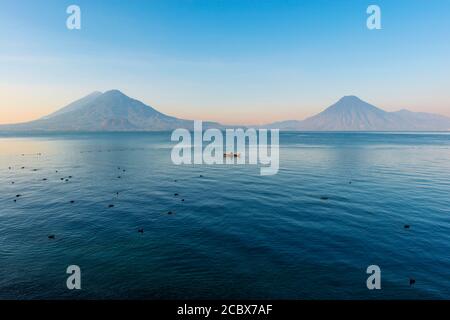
[234, 62]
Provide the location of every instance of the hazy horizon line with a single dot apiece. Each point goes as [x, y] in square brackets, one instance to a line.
[222, 122]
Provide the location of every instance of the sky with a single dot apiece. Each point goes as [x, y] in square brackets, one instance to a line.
[231, 61]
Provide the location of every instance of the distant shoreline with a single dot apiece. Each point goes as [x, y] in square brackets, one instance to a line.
[53, 133]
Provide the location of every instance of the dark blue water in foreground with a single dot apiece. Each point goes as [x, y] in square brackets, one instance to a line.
[237, 234]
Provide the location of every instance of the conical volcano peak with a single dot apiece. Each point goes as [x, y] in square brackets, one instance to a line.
[350, 98]
[108, 111]
[349, 103]
[115, 93]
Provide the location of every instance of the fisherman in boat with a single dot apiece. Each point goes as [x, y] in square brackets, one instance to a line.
[231, 155]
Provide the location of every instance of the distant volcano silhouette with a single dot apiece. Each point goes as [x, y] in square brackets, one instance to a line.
[109, 111]
[115, 111]
[353, 114]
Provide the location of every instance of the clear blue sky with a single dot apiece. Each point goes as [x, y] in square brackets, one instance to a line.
[246, 61]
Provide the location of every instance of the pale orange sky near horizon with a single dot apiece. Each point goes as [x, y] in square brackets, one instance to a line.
[16, 107]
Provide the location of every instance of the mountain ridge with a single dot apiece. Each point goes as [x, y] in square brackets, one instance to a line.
[108, 111]
[114, 111]
[77, 104]
[350, 113]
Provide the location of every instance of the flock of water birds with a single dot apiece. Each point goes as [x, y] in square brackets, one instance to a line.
[121, 171]
[141, 230]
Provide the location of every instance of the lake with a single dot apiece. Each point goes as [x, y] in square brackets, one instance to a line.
[339, 203]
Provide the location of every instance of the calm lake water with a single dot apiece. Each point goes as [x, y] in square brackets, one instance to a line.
[338, 204]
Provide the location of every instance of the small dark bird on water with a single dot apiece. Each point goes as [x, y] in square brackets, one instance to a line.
[15, 200]
[323, 198]
[62, 179]
[45, 179]
[141, 230]
[111, 206]
[12, 182]
[118, 177]
[170, 212]
[67, 180]
[52, 236]
[56, 171]
[18, 195]
[182, 200]
[22, 168]
[407, 226]
[201, 176]
[71, 201]
[175, 194]
[70, 177]
[9, 168]
[412, 282]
